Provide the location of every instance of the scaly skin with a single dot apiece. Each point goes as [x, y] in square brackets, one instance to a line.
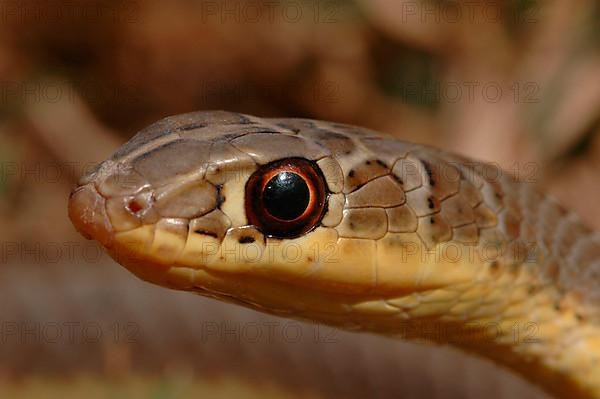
[414, 242]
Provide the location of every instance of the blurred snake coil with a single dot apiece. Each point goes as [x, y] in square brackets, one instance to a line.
[341, 225]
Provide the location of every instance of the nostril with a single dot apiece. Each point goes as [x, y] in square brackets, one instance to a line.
[134, 206]
[134, 209]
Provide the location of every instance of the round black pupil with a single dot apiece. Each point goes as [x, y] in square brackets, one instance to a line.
[286, 196]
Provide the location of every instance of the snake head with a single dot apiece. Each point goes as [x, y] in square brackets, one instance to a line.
[220, 203]
[288, 215]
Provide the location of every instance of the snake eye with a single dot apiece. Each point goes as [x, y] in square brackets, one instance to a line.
[286, 198]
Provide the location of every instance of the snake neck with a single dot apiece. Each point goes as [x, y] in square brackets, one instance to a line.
[535, 330]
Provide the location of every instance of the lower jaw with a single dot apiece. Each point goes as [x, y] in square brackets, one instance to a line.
[573, 374]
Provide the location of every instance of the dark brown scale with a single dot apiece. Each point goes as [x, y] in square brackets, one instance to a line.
[470, 194]
[246, 240]
[401, 219]
[386, 149]
[512, 225]
[206, 233]
[419, 202]
[429, 170]
[494, 194]
[247, 235]
[369, 223]
[444, 178]
[457, 211]
[176, 158]
[211, 118]
[409, 171]
[354, 131]
[362, 174]
[266, 147]
[337, 143]
[214, 224]
[430, 203]
[439, 230]
[197, 120]
[192, 126]
[193, 199]
[294, 124]
[382, 192]
[220, 197]
[144, 137]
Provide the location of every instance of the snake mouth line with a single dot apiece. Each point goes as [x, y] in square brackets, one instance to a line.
[87, 210]
[94, 224]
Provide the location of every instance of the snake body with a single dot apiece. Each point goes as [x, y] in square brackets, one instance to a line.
[412, 241]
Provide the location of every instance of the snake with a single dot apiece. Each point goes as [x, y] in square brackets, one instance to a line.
[341, 225]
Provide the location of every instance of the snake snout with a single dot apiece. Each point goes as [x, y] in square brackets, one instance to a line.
[101, 200]
[87, 212]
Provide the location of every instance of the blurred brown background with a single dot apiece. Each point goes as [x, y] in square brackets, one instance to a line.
[513, 82]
